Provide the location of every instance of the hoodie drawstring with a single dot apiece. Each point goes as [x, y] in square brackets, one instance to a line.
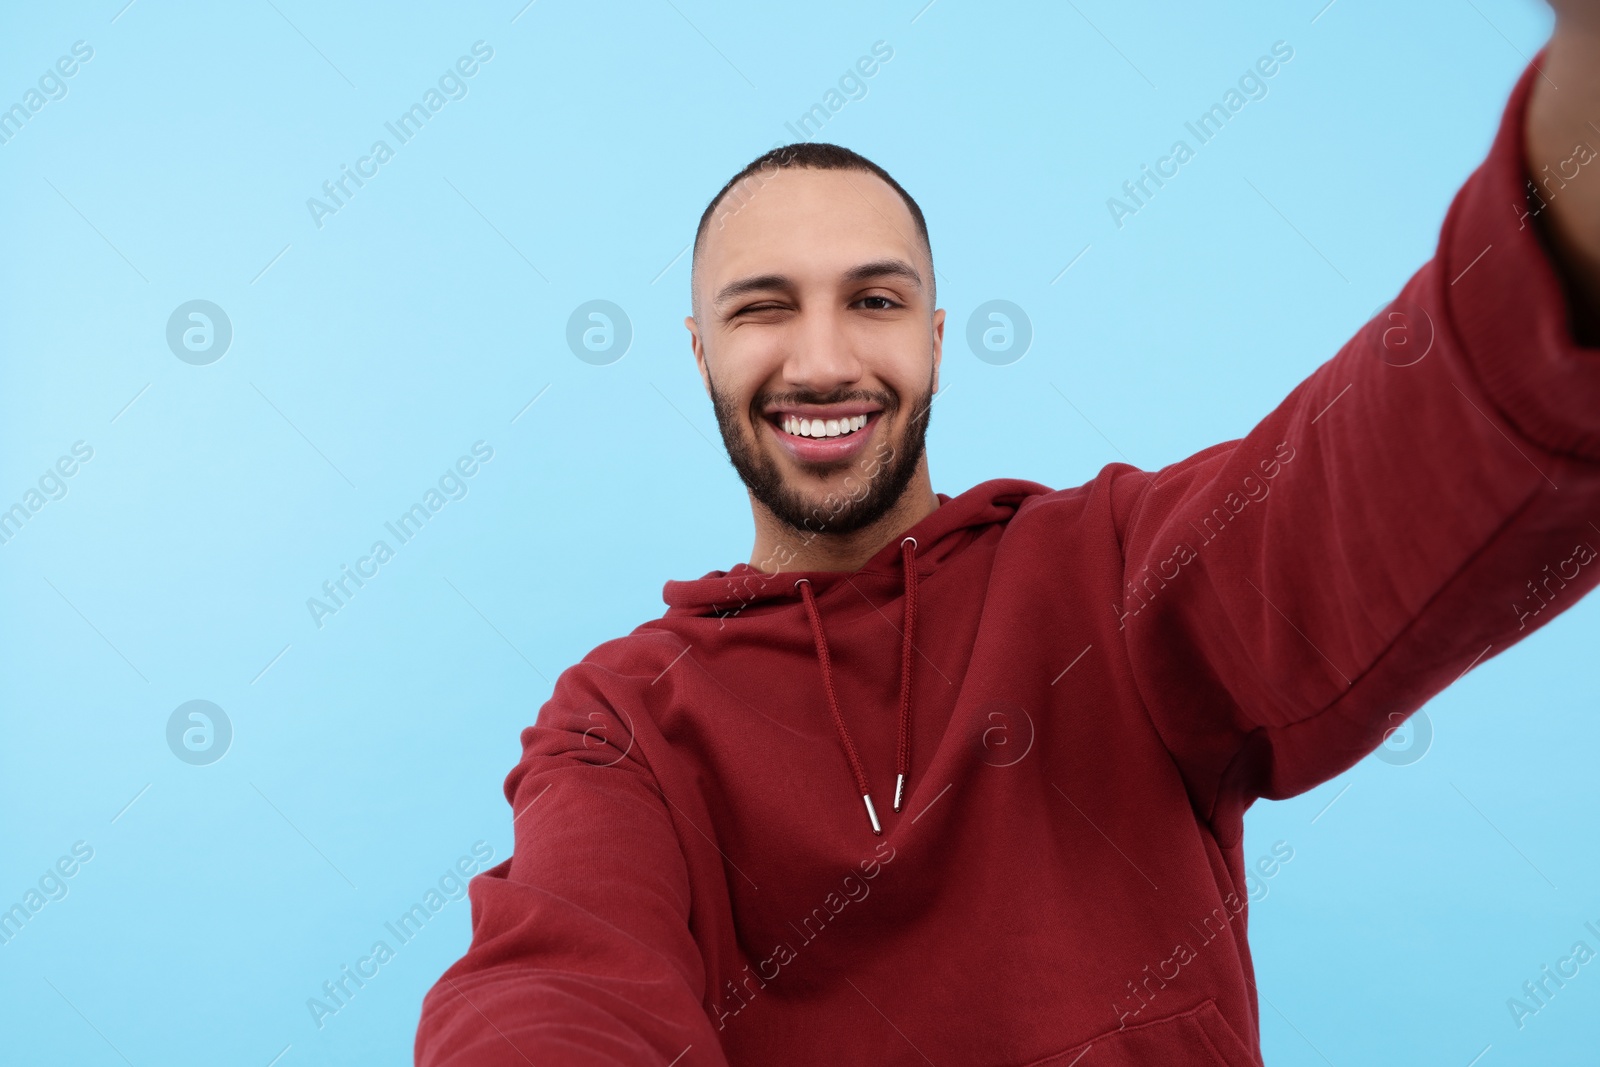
[908, 548]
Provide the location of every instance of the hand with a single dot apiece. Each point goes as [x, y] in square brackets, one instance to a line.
[1576, 14]
[1562, 153]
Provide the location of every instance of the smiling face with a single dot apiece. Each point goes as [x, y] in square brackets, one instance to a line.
[818, 342]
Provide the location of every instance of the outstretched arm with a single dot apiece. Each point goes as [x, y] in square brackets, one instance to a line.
[1421, 502]
[581, 949]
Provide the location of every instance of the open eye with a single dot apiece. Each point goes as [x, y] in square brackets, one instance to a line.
[887, 303]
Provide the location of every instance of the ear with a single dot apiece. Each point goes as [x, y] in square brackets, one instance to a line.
[698, 346]
[938, 345]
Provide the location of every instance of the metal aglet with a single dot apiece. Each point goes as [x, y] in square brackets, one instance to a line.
[872, 814]
[899, 791]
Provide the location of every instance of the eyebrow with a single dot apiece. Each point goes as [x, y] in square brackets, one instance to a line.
[878, 268]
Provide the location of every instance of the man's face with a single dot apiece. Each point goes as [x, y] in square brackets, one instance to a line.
[815, 315]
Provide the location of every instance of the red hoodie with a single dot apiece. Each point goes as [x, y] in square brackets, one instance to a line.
[1086, 687]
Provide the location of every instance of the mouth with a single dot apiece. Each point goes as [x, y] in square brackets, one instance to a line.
[823, 436]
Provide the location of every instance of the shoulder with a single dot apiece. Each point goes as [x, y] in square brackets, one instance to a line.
[617, 670]
[599, 709]
[1112, 500]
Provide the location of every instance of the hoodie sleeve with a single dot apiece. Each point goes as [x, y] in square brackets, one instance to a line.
[581, 952]
[1424, 500]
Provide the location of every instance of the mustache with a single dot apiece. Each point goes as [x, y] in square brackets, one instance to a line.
[887, 401]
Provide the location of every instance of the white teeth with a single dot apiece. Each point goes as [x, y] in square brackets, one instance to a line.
[823, 427]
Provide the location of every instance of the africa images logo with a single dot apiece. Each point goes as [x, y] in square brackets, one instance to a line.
[199, 332]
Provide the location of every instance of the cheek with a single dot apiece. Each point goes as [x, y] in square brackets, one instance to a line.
[747, 364]
[913, 389]
[731, 382]
[909, 366]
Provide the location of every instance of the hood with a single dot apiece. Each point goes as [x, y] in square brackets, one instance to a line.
[914, 553]
[941, 533]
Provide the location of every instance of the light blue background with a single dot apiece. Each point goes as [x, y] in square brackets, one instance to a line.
[369, 354]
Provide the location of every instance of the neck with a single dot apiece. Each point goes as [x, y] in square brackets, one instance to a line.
[781, 547]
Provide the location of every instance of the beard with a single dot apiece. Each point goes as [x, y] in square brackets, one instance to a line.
[838, 512]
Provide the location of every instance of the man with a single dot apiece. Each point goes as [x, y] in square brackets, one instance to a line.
[962, 780]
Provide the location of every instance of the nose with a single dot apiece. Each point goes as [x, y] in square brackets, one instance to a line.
[822, 358]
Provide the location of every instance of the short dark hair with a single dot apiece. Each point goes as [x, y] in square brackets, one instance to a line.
[814, 155]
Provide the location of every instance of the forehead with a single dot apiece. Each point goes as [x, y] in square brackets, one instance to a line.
[809, 224]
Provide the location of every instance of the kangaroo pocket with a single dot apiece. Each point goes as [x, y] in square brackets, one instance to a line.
[1199, 1037]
